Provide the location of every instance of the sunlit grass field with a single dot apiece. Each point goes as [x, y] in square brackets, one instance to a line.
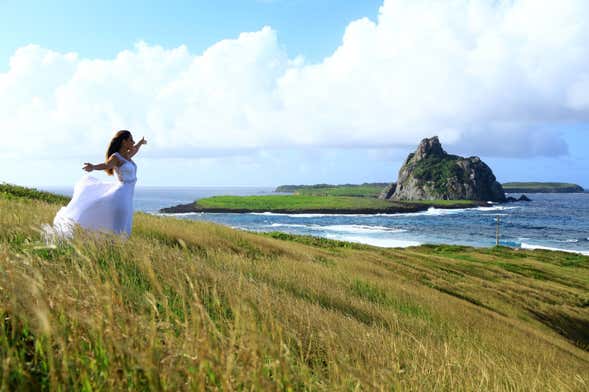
[186, 305]
[366, 190]
[292, 202]
[296, 203]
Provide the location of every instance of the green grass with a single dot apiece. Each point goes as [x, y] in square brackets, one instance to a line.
[438, 170]
[343, 190]
[11, 192]
[292, 202]
[187, 305]
[308, 203]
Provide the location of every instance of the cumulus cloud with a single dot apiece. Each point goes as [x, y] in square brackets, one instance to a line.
[490, 77]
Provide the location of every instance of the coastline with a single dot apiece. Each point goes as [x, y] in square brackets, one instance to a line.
[405, 208]
[524, 229]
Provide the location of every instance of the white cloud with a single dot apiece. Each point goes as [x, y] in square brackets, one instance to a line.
[492, 77]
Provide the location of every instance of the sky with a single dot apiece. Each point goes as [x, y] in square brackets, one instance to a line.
[271, 92]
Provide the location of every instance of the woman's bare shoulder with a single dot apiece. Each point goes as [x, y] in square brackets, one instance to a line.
[114, 159]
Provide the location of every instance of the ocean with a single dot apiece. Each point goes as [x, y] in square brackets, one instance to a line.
[550, 221]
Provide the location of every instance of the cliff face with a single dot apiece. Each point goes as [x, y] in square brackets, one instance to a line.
[430, 174]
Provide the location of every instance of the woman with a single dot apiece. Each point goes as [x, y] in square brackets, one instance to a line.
[104, 206]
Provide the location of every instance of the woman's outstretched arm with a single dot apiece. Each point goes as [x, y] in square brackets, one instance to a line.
[135, 148]
[111, 163]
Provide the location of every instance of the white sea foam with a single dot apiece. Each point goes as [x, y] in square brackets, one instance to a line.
[363, 229]
[495, 208]
[303, 215]
[178, 213]
[343, 228]
[432, 211]
[288, 225]
[323, 215]
[381, 242]
[532, 246]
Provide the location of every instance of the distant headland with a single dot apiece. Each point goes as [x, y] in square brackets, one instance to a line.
[542, 187]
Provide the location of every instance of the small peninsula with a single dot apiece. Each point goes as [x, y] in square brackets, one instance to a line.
[542, 187]
[302, 204]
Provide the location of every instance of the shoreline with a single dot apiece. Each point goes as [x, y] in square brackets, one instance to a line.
[408, 208]
[405, 242]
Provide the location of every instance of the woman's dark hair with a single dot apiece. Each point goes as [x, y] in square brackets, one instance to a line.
[115, 146]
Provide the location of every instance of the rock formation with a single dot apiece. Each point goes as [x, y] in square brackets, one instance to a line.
[388, 191]
[431, 174]
[511, 199]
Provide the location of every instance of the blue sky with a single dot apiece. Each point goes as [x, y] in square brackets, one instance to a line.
[289, 91]
[102, 29]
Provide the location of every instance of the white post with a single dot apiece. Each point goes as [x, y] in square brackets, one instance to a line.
[497, 231]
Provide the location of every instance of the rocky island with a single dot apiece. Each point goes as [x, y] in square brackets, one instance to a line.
[432, 174]
[429, 178]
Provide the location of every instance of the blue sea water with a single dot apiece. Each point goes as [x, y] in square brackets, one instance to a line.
[554, 221]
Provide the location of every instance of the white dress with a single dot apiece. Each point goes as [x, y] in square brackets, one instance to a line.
[100, 206]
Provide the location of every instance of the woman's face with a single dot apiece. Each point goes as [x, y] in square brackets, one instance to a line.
[128, 142]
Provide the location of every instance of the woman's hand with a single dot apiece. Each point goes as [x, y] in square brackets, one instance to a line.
[88, 167]
[133, 150]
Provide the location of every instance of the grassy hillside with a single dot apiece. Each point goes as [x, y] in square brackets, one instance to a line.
[542, 187]
[10, 191]
[361, 190]
[195, 305]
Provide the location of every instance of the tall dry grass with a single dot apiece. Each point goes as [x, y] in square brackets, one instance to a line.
[197, 306]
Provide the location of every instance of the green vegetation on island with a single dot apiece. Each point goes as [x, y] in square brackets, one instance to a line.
[309, 204]
[437, 170]
[541, 187]
[291, 202]
[432, 173]
[187, 305]
[359, 190]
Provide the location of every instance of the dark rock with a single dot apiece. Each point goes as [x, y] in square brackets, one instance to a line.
[388, 191]
[180, 208]
[432, 174]
[511, 199]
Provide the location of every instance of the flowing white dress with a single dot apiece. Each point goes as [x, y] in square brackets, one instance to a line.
[100, 206]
